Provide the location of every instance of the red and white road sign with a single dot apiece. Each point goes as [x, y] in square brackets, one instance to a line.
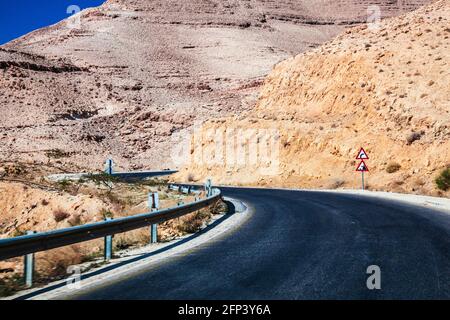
[362, 167]
[362, 155]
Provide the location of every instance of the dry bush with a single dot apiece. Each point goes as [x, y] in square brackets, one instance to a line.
[393, 167]
[443, 180]
[413, 136]
[106, 214]
[337, 183]
[193, 222]
[60, 215]
[53, 264]
[219, 208]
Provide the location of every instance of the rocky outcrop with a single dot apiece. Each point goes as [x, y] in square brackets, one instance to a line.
[385, 89]
[87, 84]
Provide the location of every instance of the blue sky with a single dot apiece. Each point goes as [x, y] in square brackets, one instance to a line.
[18, 17]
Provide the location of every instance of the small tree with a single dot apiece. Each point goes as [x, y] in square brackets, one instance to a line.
[443, 180]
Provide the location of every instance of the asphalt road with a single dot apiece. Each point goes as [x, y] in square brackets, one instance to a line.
[307, 245]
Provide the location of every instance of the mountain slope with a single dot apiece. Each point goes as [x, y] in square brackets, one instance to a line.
[387, 90]
[122, 78]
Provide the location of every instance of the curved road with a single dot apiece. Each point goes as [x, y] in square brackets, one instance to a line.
[307, 245]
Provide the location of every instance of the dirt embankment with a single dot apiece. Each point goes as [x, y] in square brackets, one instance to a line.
[30, 202]
[387, 90]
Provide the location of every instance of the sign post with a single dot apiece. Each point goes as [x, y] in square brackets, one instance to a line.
[362, 167]
[109, 166]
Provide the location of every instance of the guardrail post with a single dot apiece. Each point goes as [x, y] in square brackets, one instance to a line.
[154, 233]
[108, 245]
[208, 188]
[153, 204]
[29, 267]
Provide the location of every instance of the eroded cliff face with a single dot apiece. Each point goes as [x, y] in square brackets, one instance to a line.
[121, 79]
[387, 90]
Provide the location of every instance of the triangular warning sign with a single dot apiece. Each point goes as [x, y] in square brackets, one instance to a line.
[362, 167]
[362, 155]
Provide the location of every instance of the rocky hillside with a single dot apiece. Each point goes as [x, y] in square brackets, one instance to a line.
[387, 90]
[122, 78]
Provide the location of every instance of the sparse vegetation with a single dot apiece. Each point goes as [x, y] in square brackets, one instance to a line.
[192, 223]
[337, 183]
[393, 167]
[11, 285]
[122, 244]
[103, 179]
[57, 154]
[443, 180]
[106, 214]
[413, 136]
[60, 215]
[65, 184]
[18, 233]
[219, 208]
[83, 201]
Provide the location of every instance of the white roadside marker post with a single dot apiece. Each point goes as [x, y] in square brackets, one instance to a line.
[29, 267]
[108, 245]
[208, 188]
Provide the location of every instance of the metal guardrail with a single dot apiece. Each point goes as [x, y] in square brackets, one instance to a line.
[28, 244]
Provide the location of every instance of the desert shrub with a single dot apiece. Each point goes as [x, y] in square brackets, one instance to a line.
[219, 208]
[45, 202]
[245, 25]
[103, 179]
[115, 199]
[192, 223]
[60, 215]
[413, 136]
[18, 233]
[106, 214]
[64, 184]
[56, 153]
[163, 196]
[11, 285]
[16, 169]
[123, 244]
[337, 183]
[443, 180]
[393, 167]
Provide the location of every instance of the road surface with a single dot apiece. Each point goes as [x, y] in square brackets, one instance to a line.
[307, 245]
